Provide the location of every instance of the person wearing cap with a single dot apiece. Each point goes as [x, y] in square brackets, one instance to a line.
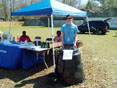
[69, 32]
[24, 37]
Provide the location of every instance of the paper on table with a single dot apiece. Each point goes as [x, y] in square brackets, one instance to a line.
[7, 42]
[67, 54]
[39, 48]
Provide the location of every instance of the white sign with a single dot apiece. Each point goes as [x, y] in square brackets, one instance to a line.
[67, 54]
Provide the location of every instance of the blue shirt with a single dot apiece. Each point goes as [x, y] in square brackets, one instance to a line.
[69, 31]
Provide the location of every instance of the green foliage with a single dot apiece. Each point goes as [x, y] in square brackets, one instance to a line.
[109, 4]
[6, 6]
[108, 8]
[92, 7]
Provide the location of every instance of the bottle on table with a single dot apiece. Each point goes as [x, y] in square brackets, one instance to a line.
[13, 39]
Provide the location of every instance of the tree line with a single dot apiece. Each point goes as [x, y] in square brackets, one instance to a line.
[7, 6]
[108, 8]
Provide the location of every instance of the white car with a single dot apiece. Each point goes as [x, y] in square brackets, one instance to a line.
[112, 22]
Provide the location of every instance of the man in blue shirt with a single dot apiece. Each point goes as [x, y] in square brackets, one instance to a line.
[69, 32]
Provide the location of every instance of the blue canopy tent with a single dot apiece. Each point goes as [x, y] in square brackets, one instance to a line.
[49, 7]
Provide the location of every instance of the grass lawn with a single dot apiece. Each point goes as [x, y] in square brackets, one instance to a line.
[32, 31]
[99, 61]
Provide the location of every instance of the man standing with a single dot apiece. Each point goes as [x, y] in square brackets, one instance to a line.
[69, 32]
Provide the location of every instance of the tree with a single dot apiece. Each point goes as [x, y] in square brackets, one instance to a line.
[7, 6]
[93, 7]
[5, 9]
[109, 4]
[109, 7]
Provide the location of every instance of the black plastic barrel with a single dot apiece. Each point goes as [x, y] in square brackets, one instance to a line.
[70, 71]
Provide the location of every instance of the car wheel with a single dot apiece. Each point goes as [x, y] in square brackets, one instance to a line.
[99, 32]
[104, 33]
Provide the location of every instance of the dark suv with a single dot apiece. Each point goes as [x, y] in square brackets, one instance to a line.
[97, 27]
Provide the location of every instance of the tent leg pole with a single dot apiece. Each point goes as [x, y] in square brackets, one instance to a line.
[48, 26]
[10, 24]
[90, 36]
[53, 41]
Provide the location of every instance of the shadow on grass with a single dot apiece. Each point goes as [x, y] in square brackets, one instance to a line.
[20, 74]
[41, 82]
[91, 34]
[46, 81]
[115, 36]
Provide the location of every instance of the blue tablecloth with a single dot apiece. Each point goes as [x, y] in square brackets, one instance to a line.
[14, 57]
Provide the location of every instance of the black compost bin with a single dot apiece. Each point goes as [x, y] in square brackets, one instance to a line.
[70, 71]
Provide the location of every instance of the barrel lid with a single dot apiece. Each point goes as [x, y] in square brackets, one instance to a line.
[74, 49]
